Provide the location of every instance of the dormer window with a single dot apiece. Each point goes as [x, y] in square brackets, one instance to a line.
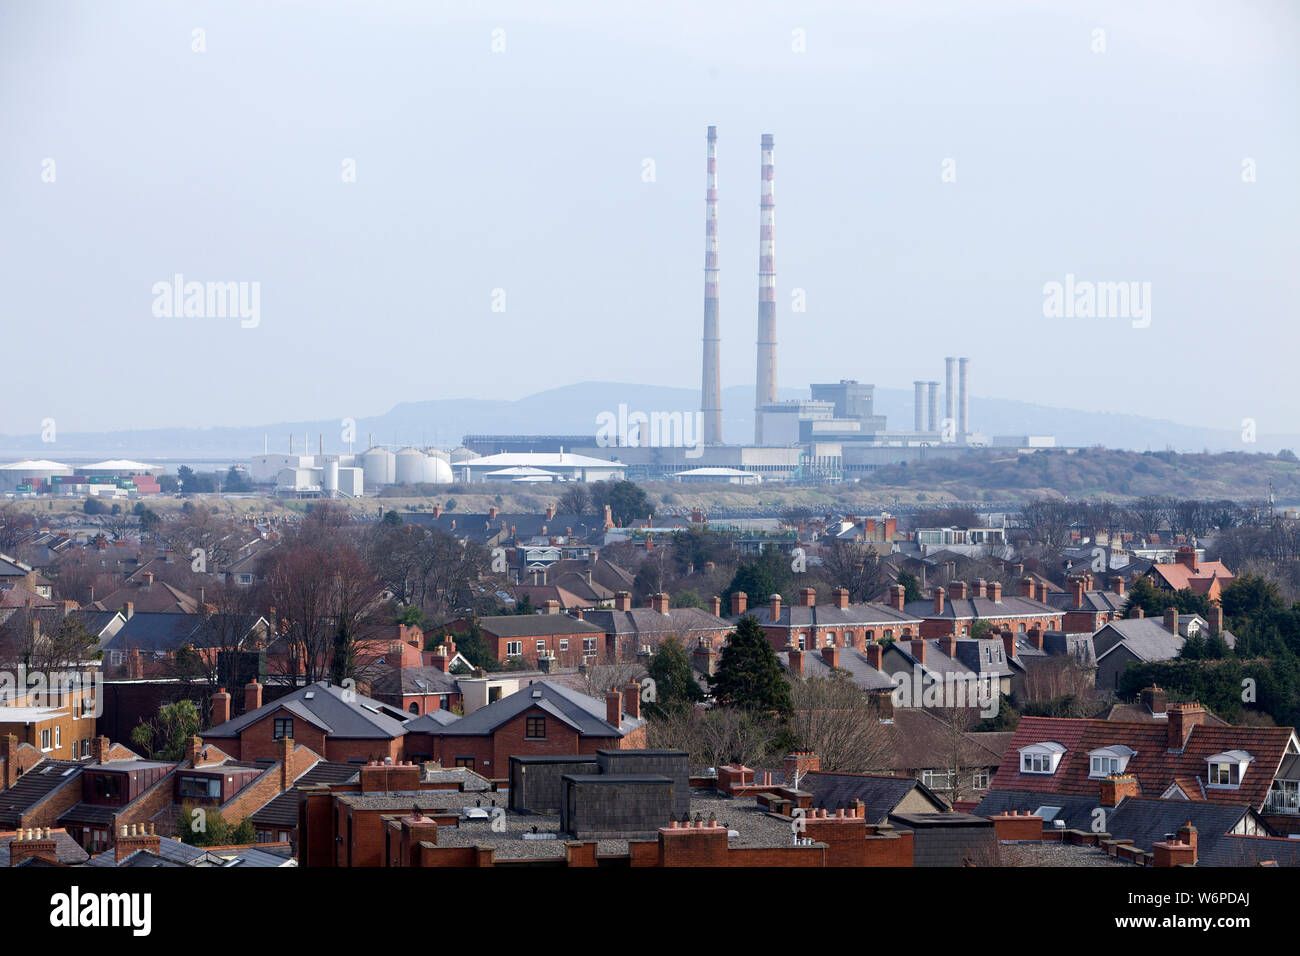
[1227, 769]
[1109, 760]
[1041, 758]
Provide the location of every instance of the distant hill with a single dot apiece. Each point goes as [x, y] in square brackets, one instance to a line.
[572, 409]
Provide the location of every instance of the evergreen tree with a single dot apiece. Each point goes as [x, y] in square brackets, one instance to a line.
[676, 689]
[749, 675]
[911, 585]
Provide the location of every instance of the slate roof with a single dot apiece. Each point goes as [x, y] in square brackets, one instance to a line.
[584, 714]
[159, 597]
[1102, 602]
[414, 680]
[430, 719]
[852, 660]
[1147, 638]
[158, 631]
[282, 809]
[1075, 810]
[645, 620]
[66, 849]
[533, 625]
[880, 794]
[170, 853]
[976, 607]
[93, 620]
[831, 615]
[34, 786]
[984, 655]
[919, 740]
[1154, 765]
[322, 705]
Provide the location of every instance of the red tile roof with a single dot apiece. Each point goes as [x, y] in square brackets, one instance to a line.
[1179, 576]
[1155, 765]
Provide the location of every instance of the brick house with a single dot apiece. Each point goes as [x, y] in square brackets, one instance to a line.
[955, 611]
[1088, 608]
[333, 722]
[526, 637]
[637, 630]
[541, 718]
[1188, 570]
[810, 626]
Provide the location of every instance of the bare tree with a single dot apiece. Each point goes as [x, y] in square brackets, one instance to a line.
[835, 718]
[854, 565]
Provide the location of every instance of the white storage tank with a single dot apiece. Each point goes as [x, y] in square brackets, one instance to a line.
[379, 466]
[330, 479]
[437, 471]
[409, 467]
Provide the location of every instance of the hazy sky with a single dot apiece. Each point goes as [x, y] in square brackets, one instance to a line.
[524, 170]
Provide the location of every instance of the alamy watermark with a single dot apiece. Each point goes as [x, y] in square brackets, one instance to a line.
[179, 299]
[624, 429]
[1085, 299]
[72, 684]
[947, 691]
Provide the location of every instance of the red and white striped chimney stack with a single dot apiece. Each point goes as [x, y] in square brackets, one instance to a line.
[766, 391]
[711, 387]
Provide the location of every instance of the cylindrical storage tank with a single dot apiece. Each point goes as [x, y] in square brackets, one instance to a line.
[409, 467]
[437, 471]
[330, 478]
[463, 454]
[379, 467]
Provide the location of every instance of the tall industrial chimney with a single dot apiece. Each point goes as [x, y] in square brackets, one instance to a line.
[918, 406]
[933, 423]
[766, 389]
[711, 388]
[963, 421]
[950, 393]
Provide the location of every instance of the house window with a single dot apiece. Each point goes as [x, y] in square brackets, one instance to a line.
[58, 737]
[1104, 766]
[45, 739]
[1041, 757]
[1224, 774]
[535, 728]
[830, 640]
[283, 728]
[937, 779]
[541, 647]
[1284, 797]
[414, 708]
[466, 762]
[564, 643]
[200, 788]
[803, 641]
[589, 645]
[514, 648]
[980, 779]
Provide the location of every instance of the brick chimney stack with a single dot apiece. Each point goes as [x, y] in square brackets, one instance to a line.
[632, 698]
[1028, 589]
[739, 603]
[38, 843]
[614, 707]
[831, 655]
[662, 602]
[551, 606]
[948, 644]
[875, 655]
[938, 600]
[808, 597]
[841, 598]
[1136, 611]
[1186, 556]
[981, 588]
[252, 696]
[774, 607]
[1182, 718]
[1009, 642]
[194, 751]
[1117, 584]
[285, 756]
[918, 649]
[220, 706]
[1171, 620]
[1116, 787]
[623, 600]
[715, 606]
[99, 748]
[1155, 700]
[1076, 592]
[134, 838]
[795, 657]
[1216, 619]
[959, 590]
[1035, 637]
[898, 596]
